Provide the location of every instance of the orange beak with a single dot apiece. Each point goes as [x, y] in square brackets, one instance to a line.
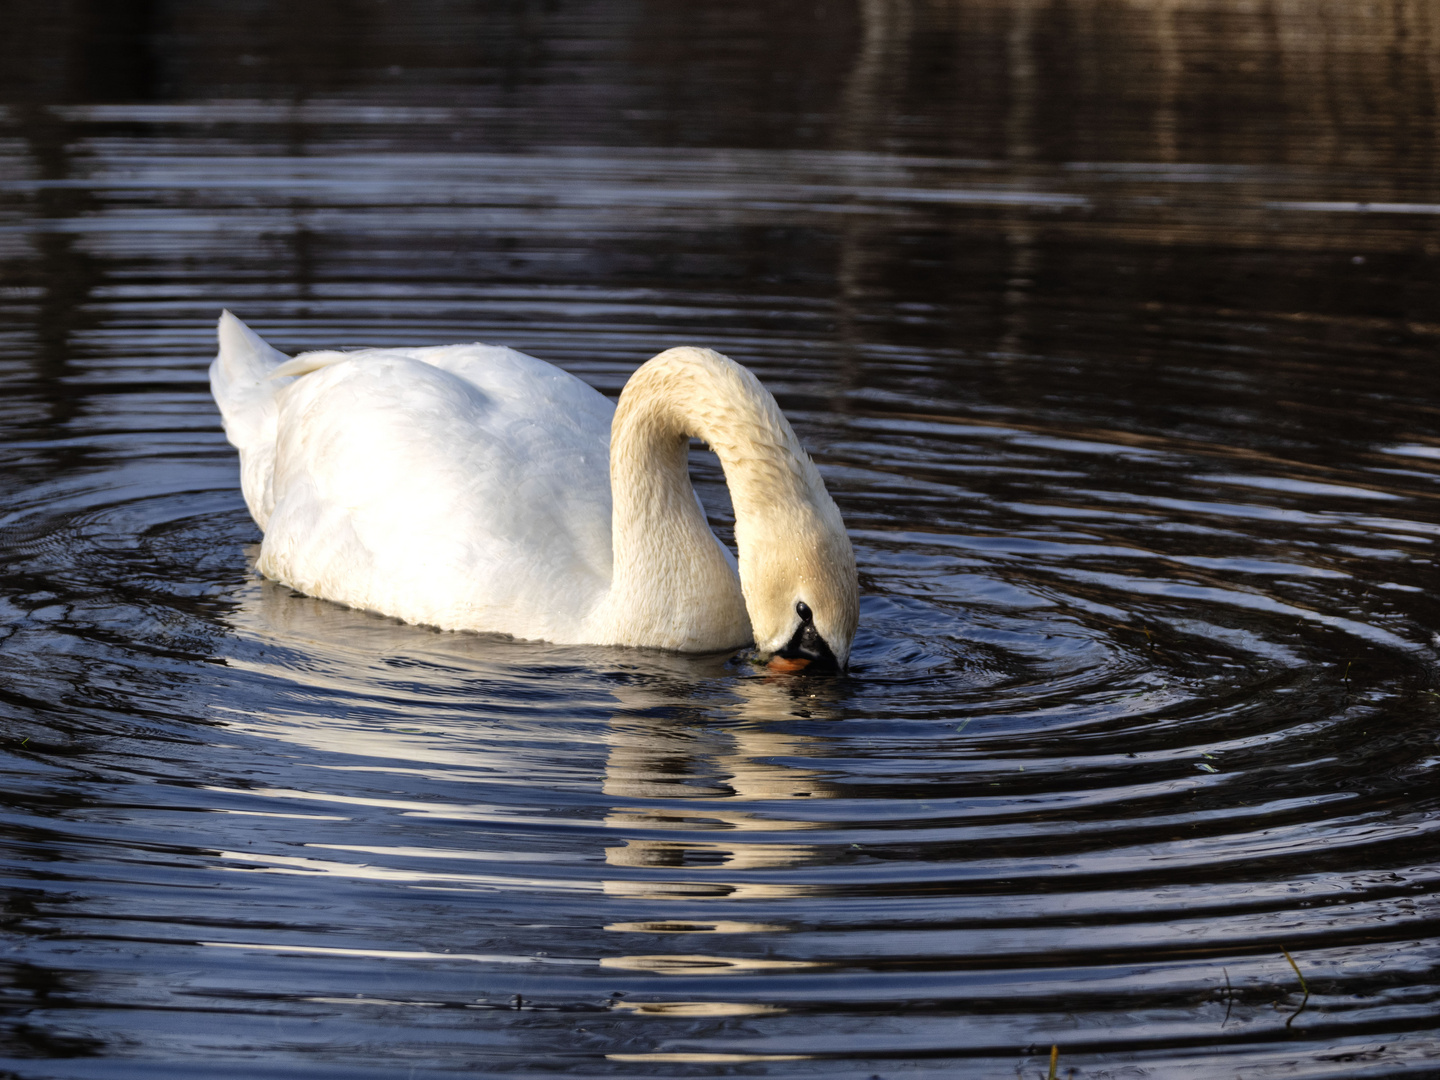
[782, 664]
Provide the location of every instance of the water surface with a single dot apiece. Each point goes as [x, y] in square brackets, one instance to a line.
[1113, 330]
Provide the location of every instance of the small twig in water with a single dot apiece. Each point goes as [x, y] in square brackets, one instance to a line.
[1054, 1062]
[1306, 989]
[1229, 997]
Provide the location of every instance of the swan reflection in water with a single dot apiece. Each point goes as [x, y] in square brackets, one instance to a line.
[406, 728]
[737, 755]
[487, 729]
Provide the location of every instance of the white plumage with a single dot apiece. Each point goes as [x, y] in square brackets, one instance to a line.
[469, 487]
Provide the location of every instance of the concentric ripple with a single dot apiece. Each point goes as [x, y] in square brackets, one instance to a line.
[1138, 754]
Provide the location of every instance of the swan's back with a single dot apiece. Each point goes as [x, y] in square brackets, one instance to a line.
[464, 486]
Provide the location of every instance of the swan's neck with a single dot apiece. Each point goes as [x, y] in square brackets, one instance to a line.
[674, 584]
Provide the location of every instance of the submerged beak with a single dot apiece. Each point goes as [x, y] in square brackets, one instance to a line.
[807, 650]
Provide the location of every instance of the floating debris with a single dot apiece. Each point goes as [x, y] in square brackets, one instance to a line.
[1303, 1001]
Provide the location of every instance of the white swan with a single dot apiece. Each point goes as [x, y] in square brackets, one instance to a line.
[472, 487]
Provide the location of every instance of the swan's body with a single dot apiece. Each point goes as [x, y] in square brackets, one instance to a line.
[472, 487]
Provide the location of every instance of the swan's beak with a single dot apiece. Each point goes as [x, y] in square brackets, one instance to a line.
[786, 667]
[808, 650]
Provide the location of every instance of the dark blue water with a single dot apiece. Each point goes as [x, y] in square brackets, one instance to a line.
[1113, 330]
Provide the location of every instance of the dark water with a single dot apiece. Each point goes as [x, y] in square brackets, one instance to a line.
[1113, 328]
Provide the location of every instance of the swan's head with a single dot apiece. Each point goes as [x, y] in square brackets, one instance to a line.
[801, 590]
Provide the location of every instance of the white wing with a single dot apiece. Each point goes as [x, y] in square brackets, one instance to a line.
[465, 487]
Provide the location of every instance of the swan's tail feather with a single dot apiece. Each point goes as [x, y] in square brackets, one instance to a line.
[240, 380]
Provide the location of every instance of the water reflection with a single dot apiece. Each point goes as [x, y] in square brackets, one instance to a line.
[659, 747]
[737, 756]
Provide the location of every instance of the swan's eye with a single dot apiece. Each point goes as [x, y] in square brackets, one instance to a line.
[803, 610]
